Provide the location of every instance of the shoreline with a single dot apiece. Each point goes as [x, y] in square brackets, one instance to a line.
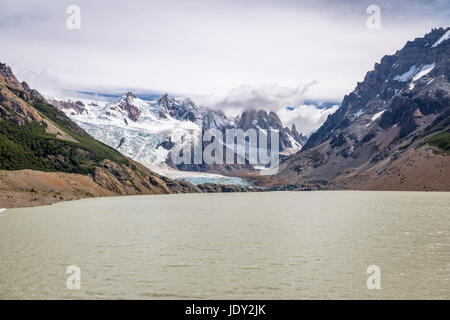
[206, 193]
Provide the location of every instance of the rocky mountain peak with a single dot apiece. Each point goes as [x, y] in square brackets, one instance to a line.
[74, 108]
[405, 98]
[418, 67]
[9, 77]
[129, 97]
[260, 119]
[165, 100]
[127, 106]
[25, 86]
[15, 104]
[298, 136]
[6, 71]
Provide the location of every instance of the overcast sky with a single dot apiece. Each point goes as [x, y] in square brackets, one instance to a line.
[203, 48]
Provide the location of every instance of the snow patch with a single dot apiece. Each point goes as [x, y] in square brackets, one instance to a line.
[423, 71]
[414, 74]
[407, 75]
[444, 37]
[295, 146]
[357, 114]
[199, 177]
[377, 115]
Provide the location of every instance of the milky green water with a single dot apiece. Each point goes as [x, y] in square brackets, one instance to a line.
[278, 245]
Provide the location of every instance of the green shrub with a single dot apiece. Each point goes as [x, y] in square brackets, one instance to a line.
[441, 141]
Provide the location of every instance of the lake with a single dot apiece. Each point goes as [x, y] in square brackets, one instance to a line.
[270, 245]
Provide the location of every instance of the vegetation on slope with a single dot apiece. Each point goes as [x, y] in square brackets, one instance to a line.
[29, 146]
[99, 150]
[441, 141]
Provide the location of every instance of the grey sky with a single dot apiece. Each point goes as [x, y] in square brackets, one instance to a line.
[207, 47]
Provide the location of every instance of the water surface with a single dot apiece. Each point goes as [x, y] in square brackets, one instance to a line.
[277, 245]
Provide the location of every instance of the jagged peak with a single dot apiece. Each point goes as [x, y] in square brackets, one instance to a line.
[294, 129]
[25, 86]
[9, 76]
[410, 71]
[165, 100]
[5, 69]
[130, 95]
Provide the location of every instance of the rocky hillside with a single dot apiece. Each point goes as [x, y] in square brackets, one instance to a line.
[36, 135]
[392, 131]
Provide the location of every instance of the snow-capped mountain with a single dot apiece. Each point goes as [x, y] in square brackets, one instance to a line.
[381, 135]
[147, 131]
[290, 139]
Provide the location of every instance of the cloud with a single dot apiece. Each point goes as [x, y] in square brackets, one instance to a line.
[207, 47]
[269, 97]
[307, 118]
[287, 102]
[203, 48]
[42, 81]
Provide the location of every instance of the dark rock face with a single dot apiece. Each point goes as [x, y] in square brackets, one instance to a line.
[250, 119]
[122, 140]
[15, 99]
[23, 95]
[260, 119]
[185, 110]
[9, 77]
[214, 188]
[298, 136]
[379, 88]
[254, 119]
[75, 107]
[338, 141]
[403, 99]
[132, 110]
[168, 144]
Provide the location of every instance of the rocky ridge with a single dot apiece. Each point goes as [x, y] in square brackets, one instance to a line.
[35, 135]
[391, 115]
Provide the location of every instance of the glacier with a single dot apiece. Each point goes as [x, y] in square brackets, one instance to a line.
[147, 130]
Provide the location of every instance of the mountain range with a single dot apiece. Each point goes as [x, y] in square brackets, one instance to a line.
[391, 132]
[147, 131]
